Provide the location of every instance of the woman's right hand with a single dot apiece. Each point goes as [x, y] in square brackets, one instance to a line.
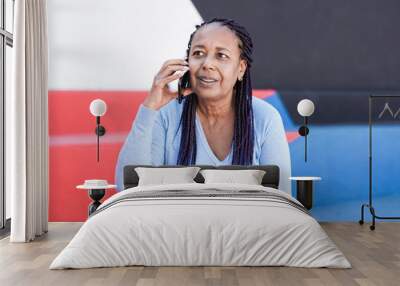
[160, 94]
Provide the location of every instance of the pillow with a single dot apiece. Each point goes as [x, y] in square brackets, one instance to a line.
[249, 177]
[163, 176]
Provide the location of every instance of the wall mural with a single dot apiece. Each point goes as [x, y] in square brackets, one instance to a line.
[328, 54]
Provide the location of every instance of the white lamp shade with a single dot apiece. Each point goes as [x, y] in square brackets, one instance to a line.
[305, 107]
[98, 107]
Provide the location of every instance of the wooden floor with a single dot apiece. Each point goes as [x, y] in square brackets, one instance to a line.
[374, 255]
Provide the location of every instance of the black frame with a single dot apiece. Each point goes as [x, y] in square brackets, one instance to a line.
[6, 39]
[369, 205]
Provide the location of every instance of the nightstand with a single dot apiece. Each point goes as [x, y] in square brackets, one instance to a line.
[96, 192]
[305, 190]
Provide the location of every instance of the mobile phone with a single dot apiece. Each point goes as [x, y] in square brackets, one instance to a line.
[183, 83]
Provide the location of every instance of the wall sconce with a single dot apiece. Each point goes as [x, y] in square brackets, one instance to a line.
[305, 108]
[98, 108]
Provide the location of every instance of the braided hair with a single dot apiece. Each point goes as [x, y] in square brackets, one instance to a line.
[243, 137]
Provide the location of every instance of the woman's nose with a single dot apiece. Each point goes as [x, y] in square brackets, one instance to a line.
[208, 63]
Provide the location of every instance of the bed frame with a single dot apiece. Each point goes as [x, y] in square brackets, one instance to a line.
[270, 179]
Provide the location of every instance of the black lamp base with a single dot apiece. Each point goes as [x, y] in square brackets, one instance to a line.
[100, 130]
[303, 130]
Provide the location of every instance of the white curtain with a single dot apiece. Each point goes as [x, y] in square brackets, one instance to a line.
[27, 123]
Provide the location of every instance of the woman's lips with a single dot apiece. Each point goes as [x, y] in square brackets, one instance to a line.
[207, 82]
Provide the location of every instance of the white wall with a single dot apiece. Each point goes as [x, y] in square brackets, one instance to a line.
[115, 44]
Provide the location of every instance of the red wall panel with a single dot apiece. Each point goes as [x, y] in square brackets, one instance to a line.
[73, 145]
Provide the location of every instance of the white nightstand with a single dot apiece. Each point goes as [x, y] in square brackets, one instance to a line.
[305, 190]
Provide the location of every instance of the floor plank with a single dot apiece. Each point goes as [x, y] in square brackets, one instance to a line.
[374, 255]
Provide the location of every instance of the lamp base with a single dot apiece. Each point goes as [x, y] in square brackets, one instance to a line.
[303, 130]
[100, 130]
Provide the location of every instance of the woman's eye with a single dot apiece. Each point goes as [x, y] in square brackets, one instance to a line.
[197, 53]
[223, 56]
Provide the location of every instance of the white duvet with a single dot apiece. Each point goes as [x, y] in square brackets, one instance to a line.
[200, 231]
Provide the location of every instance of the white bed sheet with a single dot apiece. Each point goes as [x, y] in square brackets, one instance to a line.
[200, 231]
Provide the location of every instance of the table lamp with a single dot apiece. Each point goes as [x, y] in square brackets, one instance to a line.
[98, 108]
[305, 108]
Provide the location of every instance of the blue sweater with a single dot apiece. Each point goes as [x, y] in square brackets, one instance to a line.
[154, 140]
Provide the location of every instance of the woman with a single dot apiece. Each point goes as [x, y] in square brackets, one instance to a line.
[218, 122]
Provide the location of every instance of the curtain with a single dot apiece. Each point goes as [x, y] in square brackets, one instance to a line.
[27, 123]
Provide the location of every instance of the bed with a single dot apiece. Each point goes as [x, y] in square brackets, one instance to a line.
[201, 224]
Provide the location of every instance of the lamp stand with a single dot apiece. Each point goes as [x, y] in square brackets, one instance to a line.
[303, 131]
[100, 131]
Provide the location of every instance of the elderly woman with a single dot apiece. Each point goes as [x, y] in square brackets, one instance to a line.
[218, 121]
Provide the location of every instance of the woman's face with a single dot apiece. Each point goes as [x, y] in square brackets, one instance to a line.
[214, 62]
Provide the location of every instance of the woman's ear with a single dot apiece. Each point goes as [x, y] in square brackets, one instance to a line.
[242, 69]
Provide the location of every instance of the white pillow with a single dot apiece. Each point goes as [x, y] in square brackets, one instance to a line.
[164, 176]
[249, 177]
